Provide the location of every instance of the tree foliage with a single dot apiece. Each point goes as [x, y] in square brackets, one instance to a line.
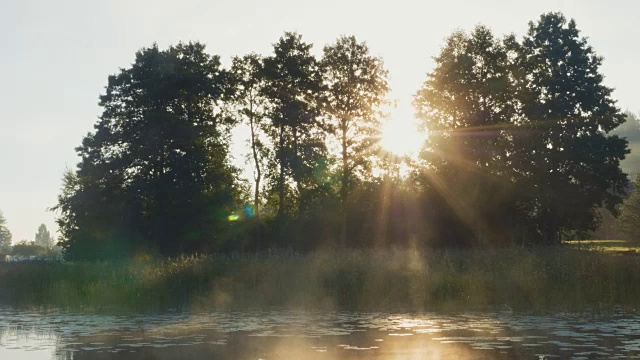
[155, 173]
[5, 234]
[294, 88]
[467, 106]
[251, 106]
[520, 134]
[571, 163]
[356, 88]
[29, 248]
[43, 237]
[629, 221]
[521, 149]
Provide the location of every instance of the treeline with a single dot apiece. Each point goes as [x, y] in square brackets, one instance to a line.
[517, 151]
[42, 245]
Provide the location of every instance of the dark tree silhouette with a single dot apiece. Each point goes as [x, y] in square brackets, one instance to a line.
[294, 88]
[356, 87]
[520, 135]
[521, 148]
[569, 161]
[251, 106]
[154, 175]
[467, 106]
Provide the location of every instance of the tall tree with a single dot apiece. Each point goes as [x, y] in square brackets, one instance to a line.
[251, 106]
[5, 234]
[629, 221]
[356, 87]
[155, 173]
[467, 106]
[43, 237]
[294, 88]
[569, 159]
[630, 130]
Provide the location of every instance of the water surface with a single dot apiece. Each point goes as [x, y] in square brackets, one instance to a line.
[271, 335]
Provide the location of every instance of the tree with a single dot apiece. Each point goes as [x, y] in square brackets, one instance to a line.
[467, 105]
[29, 248]
[630, 131]
[155, 174]
[356, 86]
[569, 160]
[5, 234]
[629, 220]
[294, 88]
[43, 237]
[520, 135]
[251, 106]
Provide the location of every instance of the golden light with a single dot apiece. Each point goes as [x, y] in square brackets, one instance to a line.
[401, 137]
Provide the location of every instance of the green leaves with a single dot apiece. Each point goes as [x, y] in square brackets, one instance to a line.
[568, 113]
[520, 147]
[294, 87]
[356, 89]
[531, 117]
[155, 173]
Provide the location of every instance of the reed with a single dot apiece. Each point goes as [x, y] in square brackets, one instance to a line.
[531, 280]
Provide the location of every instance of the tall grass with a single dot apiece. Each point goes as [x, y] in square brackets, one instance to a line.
[548, 279]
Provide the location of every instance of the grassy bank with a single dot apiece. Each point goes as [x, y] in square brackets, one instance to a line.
[555, 279]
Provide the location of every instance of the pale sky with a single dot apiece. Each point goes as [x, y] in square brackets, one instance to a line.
[55, 57]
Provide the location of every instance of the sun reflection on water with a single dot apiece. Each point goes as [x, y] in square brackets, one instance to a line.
[314, 335]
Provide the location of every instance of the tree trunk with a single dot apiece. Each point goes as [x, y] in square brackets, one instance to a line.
[256, 200]
[296, 167]
[345, 183]
[281, 175]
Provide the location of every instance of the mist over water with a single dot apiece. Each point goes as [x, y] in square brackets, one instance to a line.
[281, 334]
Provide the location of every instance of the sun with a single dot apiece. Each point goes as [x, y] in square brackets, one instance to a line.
[401, 137]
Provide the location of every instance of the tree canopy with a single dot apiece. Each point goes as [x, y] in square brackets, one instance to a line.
[520, 148]
[43, 237]
[356, 88]
[467, 105]
[530, 122]
[629, 220]
[572, 160]
[5, 234]
[155, 173]
[29, 248]
[251, 106]
[294, 88]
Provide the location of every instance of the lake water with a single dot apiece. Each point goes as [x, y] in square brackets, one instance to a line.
[270, 335]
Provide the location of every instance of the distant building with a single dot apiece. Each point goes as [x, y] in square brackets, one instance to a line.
[4, 257]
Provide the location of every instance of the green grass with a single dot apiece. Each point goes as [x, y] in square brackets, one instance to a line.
[532, 280]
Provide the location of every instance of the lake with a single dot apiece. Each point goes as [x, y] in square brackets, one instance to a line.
[278, 334]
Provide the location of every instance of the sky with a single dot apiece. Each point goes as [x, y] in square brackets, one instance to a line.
[55, 57]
